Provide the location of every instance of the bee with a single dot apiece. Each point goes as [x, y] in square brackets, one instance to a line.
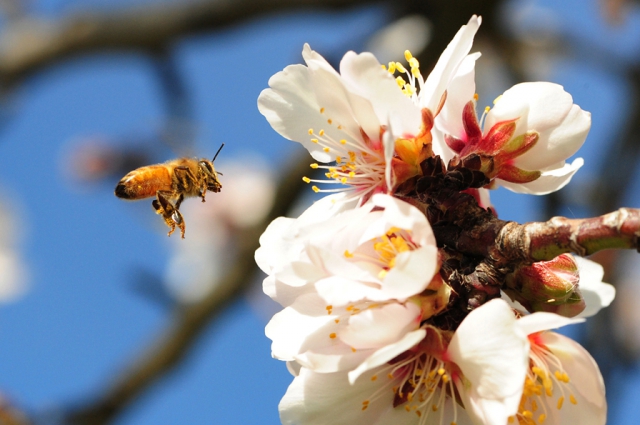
[171, 183]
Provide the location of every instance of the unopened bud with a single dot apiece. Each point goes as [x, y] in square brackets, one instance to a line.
[549, 286]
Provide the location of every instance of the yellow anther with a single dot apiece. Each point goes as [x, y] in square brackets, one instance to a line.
[382, 274]
[353, 349]
[329, 121]
[306, 179]
[314, 166]
[400, 81]
[558, 375]
[392, 67]
[343, 180]
[322, 110]
[337, 321]
[329, 307]
[511, 419]
[542, 418]
[560, 401]
[487, 109]
[352, 174]
[414, 64]
[419, 413]
[527, 414]
[338, 159]
[327, 175]
[374, 377]
[339, 127]
[315, 189]
[454, 423]
[343, 142]
[390, 375]
[572, 399]
[400, 67]
[410, 397]
[407, 55]
[326, 149]
[332, 335]
[445, 379]
[539, 372]
[407, 408]
[415, 71]
[534, 406]
[497, 99]
[348, 254]
[350, 307]
[441, 371]
[321, 133]
[310, 131]
[314, 140]
[434, 407]
[565, 377]
[384, 66]
[476, 97]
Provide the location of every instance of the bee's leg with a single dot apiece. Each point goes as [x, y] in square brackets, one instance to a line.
[169, 212]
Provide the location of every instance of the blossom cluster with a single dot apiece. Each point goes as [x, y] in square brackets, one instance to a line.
[382, 322]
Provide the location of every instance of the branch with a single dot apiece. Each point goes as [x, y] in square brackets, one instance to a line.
[175, 342]
[29, 44]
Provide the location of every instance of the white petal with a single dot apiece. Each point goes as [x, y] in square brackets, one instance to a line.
[293, 332]
[365, 77]
[332, 359]
[412, 272]
[329, 398]
[585, 378]
[377, 327]
[292, 109]
[542, 321]
[493, 355]
[459, 92]
[596, 293]
[338, 291]
[399, 214]
[548, 182]
[447, 64]
[384, 354]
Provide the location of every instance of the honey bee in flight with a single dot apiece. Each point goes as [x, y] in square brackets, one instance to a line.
[170, 183]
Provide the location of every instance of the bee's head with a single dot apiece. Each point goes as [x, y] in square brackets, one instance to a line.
[209, 173]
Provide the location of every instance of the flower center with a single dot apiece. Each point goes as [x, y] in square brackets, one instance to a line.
[408, 87]
[359, 161]
[420, 382]
[543, 389]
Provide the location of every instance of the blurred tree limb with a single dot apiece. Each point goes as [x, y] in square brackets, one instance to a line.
[28, 44]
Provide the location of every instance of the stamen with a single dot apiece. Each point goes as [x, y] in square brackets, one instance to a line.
[306, 179]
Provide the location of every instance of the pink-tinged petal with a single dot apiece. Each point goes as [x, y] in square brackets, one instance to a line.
[388, 143]
[493, 356]
[585, 378]
[412, 272]
[459, 92]
[596, 293]
[365, 76]
[548, 182]
[293, 332]
[329, 398]
[447, 65]
[386, 353]
[542, 321]
[376, 327]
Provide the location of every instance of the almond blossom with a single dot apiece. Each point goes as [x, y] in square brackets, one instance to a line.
[524, 140]
[376, 128]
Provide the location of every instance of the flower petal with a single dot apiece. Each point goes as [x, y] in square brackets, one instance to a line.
[438, 80]
[493, 355]
[549, 181]
[542, 321]
[596, 293]
[386, 353]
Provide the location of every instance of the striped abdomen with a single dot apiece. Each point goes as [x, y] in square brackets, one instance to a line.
[144, 182]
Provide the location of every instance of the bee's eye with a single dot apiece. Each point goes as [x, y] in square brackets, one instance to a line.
[206, 166]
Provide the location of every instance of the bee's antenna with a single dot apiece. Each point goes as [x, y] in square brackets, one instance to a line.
[216, 155]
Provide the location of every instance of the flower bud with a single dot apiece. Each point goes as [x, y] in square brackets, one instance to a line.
[550, 286]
